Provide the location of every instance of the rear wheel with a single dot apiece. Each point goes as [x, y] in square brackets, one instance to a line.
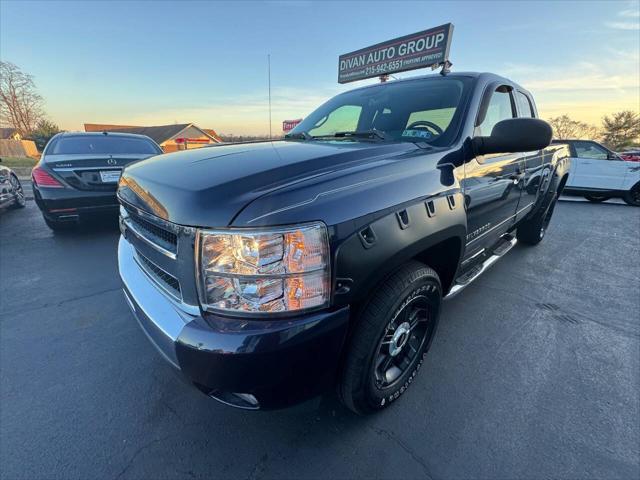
[18, 193]
[390, 341]
[596, 198]
[632, 197]
[533, 230]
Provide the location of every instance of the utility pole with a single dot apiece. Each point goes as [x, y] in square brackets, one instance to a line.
[269, 75]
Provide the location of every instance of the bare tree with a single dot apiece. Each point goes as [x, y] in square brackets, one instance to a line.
[621, 130]
[20, 103]
[564, 127]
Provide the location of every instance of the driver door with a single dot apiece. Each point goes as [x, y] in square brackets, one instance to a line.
[492, 182]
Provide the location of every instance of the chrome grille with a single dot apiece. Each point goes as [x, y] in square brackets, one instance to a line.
[152, 232]
[167, 281]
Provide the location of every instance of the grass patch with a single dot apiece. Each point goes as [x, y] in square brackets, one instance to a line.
[18, 162]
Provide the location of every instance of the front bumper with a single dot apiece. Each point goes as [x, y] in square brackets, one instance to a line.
[73, 204]
[278, 362]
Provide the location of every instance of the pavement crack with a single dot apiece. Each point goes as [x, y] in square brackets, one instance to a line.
[391, 436]
[138, 452]
[61, 302]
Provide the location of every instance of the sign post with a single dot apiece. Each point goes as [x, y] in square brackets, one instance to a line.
[425, 49]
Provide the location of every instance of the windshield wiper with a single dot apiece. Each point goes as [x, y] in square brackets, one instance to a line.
[299, 136]
[372, 134]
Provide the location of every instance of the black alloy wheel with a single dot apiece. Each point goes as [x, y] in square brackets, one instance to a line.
[390, 339]
[404, 337]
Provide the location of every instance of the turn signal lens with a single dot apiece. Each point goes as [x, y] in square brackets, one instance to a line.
[42, 178]
[265, 271]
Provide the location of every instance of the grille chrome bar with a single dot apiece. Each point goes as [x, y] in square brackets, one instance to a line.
[167, 282]
[155, 232]
[151, 243]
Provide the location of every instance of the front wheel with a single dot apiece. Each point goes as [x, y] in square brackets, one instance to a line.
[391, 338]
[632, 197]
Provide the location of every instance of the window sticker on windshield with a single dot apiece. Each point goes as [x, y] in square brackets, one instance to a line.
[417, 133]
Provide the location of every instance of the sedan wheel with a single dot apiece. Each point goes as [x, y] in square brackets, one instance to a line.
[18, 193]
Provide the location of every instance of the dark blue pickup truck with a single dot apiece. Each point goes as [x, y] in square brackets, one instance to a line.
[269, 272]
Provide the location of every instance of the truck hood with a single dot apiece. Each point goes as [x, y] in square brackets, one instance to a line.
[210, 186]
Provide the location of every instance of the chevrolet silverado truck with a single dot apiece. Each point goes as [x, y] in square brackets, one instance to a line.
[269, 272]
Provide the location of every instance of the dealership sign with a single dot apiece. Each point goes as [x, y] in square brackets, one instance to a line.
[428, 48]
[288, 125]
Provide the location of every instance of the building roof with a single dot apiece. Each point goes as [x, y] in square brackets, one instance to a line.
[159, 134]
[6, 133]
[212, 133]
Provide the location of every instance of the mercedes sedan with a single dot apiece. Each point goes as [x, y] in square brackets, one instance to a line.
[77, 176]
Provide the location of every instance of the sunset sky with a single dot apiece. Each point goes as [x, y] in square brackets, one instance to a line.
[153, 63]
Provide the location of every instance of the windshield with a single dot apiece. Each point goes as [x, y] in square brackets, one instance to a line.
[96, 144]
[426, 110]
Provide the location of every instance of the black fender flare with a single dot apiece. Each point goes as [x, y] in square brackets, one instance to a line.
[378, 248]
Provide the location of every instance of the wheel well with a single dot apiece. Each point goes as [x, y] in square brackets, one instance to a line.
[443, 257]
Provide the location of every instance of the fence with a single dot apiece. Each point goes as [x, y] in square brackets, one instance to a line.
[18, 148]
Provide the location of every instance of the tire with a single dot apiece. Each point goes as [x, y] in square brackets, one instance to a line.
[533, 230]
[58, 226]
[632, 197]
[19, 200]
[390, 340]
[596, 198]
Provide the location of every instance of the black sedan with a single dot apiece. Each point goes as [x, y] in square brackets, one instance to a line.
[77, 176]
[11, 193]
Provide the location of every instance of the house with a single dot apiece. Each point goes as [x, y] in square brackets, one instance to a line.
[179, 136]
[10, 134]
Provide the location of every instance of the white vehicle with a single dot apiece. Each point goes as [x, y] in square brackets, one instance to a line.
[598, 174]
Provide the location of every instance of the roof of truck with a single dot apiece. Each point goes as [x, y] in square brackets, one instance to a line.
[479, 75]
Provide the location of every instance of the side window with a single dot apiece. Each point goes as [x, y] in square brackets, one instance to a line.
[524, 106]
[342, 119]
[500, 108]
[590, 150]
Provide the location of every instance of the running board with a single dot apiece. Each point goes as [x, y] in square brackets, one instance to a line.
[465, 280]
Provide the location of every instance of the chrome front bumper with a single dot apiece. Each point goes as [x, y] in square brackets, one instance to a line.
[160, 318]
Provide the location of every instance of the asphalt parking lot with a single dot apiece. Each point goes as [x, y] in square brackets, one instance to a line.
[534, 373]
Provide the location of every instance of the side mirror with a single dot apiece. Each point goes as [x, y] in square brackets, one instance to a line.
[515, 135]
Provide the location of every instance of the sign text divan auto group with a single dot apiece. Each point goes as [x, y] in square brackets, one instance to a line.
[418, 50]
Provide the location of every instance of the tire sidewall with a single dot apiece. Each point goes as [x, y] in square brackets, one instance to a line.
[428, 286]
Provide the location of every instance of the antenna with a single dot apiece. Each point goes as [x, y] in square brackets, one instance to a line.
[269, 77]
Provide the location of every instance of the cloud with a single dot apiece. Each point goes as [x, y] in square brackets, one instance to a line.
[623, 25]
[630, 13]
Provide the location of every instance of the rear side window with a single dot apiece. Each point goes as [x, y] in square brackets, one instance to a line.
[94, 144]
[524, 106]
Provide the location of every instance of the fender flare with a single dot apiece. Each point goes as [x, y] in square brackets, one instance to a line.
[373, 252]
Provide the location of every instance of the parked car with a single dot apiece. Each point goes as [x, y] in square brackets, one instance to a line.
[268, 272]
[599, 174]
[11, 192]
[77, 175]
[630, 155]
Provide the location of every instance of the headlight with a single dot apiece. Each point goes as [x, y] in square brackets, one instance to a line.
[264, 271]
